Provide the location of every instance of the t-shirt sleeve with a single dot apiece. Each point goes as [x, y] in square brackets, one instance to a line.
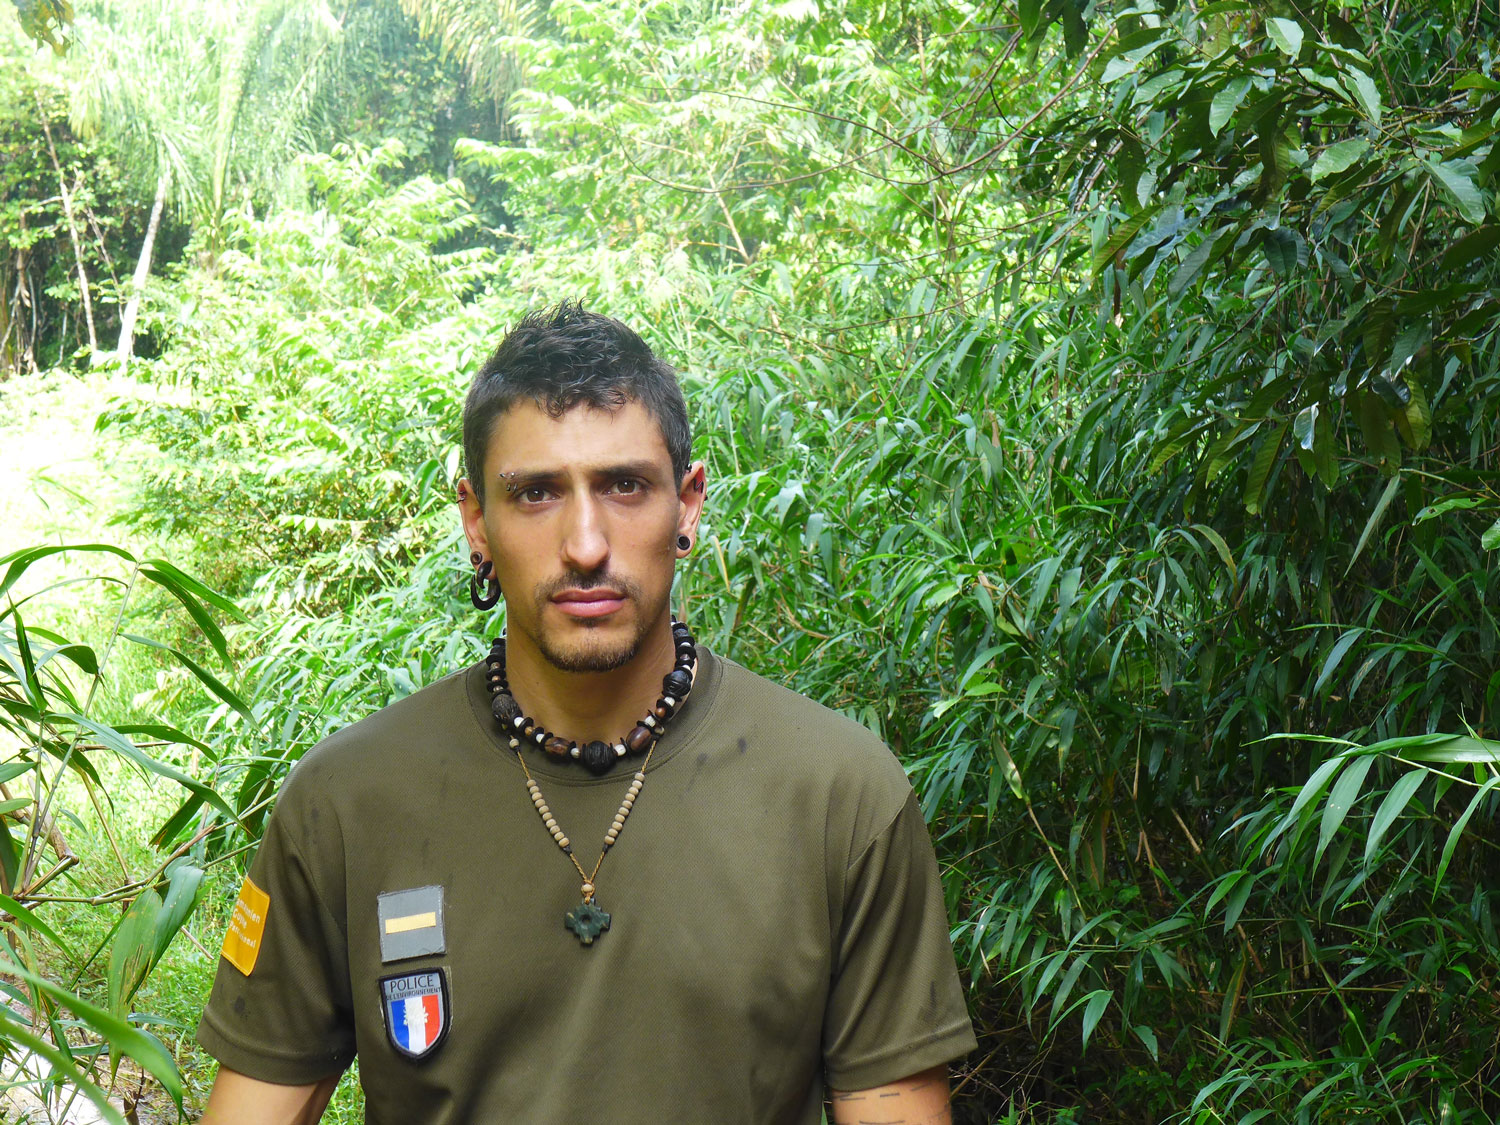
[896, 1007]
[280, 1010]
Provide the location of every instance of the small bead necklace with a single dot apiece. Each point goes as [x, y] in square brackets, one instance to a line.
[588, 919]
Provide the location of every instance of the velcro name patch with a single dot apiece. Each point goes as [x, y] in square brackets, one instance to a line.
[411, 923]
[247, 925]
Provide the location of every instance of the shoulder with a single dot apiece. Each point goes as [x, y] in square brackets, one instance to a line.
[387, 742]
[824, 756]
[789, 714]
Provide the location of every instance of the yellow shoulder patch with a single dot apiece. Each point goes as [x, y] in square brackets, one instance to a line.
[246, 927]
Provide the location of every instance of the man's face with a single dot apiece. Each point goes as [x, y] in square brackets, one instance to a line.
[581, 518]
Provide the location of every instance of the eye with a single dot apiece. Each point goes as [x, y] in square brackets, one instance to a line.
[532, 494]
[628, 486]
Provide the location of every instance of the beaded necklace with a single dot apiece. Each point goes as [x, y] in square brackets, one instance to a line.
[588, 919]
[597, 757]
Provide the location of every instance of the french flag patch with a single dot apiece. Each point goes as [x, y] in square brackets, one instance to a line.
[416, 1011]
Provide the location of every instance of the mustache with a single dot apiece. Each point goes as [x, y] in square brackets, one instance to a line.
[596, 580]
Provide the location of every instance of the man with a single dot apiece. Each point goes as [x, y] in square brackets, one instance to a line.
[604, 874]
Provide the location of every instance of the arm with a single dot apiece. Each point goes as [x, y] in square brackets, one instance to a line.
[921, 1099]
[237, 1099]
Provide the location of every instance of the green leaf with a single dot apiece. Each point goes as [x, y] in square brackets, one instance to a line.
[17, 561]
[1122, 236]
[1374, 521]
[63, 1065]
[1395, 803]
[1453, 503]
[1098, 1000]
[1226, 101]
[1447, 749]
[30, 921]
[1285, 250]
[120, 1035]
[1457, 179]
[1338, 157]
[1286, 34]
[1490, 540]
[1472, 246]
[205, 677]
[1147, 1038]
[1336, 655]
[1009, 770]
[1476, 81]
[1030, 12]
[131, 952]
[1304, 427]
[1192, 265]
[1343, 795]
[1260, 468]
[1458, 830]
[1219, 545]
[117, 742]
[1362, 88]
[194, 608]
[1379, 433]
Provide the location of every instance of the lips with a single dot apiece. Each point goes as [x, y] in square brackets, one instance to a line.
[596, 602]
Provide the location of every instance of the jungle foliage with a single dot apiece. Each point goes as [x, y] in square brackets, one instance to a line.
[1100, 401]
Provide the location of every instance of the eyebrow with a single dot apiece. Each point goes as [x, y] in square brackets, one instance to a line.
[517, 479]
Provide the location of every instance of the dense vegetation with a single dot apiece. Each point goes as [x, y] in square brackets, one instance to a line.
[1102, 402]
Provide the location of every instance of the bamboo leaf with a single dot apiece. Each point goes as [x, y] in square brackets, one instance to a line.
[1458, 830]
[1122, 236]
[29, 919]
[115, 741]
[1374, 521]
[1391, 807]
[1221, 547]
[205, 677]
[1340, 799]
[17, 562]
[120, 1035]
[1335, 656]
[1098, 1001]
[1260, 468]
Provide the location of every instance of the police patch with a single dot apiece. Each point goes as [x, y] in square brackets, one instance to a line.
[415, 1006]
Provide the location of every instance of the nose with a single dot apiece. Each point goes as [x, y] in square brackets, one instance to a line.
[585, 546]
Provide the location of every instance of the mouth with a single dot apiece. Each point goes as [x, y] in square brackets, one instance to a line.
[596, 602]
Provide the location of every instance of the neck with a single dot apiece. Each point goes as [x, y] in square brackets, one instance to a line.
[584, 706]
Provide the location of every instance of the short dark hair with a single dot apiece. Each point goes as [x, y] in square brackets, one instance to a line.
[562, 357]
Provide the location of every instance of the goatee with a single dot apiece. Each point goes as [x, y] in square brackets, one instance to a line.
[592, 654]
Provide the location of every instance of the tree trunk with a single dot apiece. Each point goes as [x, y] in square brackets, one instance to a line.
[67, 202]
[142, 272]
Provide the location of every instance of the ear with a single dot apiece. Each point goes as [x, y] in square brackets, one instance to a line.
[690, 496]
[473, 518]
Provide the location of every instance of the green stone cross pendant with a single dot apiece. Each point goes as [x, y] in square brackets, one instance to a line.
[587, 921]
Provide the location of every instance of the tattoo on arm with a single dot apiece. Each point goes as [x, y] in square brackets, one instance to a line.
[921, 1099]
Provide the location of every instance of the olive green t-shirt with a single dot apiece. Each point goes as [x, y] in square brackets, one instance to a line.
[777, 920]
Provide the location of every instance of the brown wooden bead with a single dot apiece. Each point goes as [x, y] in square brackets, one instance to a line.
[662, 710]
[557, 747]
[638, 739]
